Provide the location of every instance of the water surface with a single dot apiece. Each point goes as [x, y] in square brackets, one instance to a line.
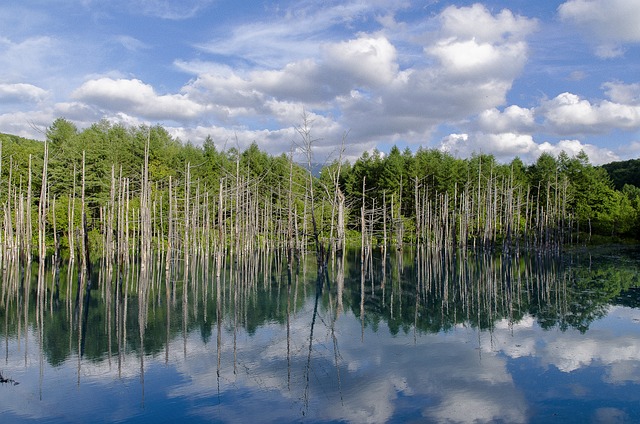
[415, 336]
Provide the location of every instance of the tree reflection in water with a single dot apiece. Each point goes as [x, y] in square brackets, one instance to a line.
[256, 300]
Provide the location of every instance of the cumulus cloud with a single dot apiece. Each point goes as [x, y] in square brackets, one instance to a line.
[366, 61]
[611, 22]
[22, 92]
[568, 113]
[359, 86]
[472, 71]
[626, 94]
[631, 150]
[525, 132]
[473, 43]
[597, 155]
[26, 124]
[506, 146]
[513, 118]
[134, 96]
[78, 112]
[299, 81]
[477, 22]
[469, 58]
[224, 88]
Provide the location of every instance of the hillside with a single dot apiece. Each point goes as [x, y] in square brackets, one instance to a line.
[624, 172]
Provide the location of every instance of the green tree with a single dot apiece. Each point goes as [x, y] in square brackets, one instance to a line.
[63, 156]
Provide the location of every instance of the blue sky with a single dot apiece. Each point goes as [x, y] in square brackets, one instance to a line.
[508, 78]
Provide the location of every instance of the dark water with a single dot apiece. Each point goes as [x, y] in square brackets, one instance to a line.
[417, 337]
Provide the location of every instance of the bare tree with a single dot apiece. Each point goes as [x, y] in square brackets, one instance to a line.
[306, 148]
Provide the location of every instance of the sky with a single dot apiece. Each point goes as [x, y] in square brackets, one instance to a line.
[502, 77]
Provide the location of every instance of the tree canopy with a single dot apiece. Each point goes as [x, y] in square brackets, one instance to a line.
[475, 197]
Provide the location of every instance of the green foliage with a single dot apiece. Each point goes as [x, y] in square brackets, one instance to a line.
[585, 195]
[624, 172]
[16, 153]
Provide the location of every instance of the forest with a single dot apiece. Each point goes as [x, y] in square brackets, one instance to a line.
[110, 191]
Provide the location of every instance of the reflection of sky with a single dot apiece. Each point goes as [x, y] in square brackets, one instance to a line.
[457, 376]
[611, 341]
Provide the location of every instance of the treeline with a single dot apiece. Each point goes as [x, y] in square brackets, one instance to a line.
[111, 190]
[559, 198]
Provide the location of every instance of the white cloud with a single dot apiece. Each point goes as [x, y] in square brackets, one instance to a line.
[597, 155]
[292, 34]
[359, 86]
[474, 69]
[568, 113]
[517, 131]
[614, 20]
[228, 90]
[78, 112]
[469, 59]
[21, 60]
[350, 84]
[22, 92]
[297, 81]
[361, 62]
[609, 51]
[626, 94]
[508, 145]
[474, 44]
[577, 75]
[133, 96]
[26, 124]
[131, 43]
[505, 146]
[610, 21]
[631, 150]
[271, 141]
[366, 61]
[512, 119]
[476, 22]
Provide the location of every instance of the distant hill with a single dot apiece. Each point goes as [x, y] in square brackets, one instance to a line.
[624, 172]
[16, 139]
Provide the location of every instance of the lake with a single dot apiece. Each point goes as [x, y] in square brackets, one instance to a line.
[411, 336]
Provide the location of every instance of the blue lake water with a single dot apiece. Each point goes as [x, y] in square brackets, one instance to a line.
[411, 337]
